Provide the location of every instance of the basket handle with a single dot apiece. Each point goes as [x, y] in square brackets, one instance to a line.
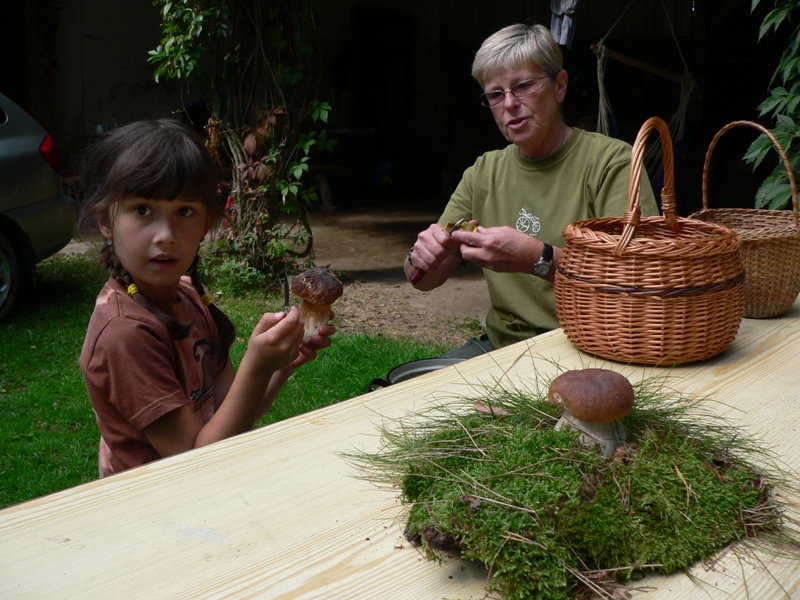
[787, 165]
[633, 210]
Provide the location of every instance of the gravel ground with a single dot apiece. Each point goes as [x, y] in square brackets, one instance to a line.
[369, 245]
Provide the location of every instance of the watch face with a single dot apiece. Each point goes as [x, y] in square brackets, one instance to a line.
[542, 266]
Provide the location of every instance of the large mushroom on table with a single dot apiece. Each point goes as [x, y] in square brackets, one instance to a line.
[318, 288]
[594, 401]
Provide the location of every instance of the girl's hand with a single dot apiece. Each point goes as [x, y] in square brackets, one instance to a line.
[276, 339]
[308, 351]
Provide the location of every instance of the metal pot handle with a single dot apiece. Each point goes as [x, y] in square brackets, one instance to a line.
[378, 383]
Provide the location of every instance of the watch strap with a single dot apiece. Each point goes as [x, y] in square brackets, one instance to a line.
[547, 253]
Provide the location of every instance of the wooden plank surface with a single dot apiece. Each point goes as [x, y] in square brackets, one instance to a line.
[279, 513]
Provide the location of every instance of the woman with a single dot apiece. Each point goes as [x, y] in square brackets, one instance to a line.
[523, 196]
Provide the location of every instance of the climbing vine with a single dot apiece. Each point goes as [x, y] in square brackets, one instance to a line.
[253, 63]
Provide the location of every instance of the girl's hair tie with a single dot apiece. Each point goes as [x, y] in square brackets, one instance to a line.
[206, 299]
[132, 290]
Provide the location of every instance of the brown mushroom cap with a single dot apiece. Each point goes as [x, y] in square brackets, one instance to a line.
[593, 395]
[317, 285]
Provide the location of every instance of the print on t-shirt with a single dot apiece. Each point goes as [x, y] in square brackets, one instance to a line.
[201, 396]
[528, 223]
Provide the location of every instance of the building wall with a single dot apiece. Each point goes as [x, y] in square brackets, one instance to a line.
[80, 65]
[103, 75]
[398, 74]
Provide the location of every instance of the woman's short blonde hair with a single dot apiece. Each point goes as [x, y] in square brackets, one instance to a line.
[518, 45]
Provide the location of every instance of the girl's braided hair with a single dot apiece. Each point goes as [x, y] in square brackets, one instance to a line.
[163, 160]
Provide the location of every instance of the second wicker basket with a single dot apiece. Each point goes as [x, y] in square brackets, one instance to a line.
[770, 240]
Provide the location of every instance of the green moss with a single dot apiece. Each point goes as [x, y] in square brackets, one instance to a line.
[669, 504]
[475, 488]
[543, 512]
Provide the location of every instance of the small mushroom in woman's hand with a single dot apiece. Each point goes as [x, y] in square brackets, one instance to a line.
[594, 401]
[318, 288]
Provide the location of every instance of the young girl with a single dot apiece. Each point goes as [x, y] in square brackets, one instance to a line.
[155, 358]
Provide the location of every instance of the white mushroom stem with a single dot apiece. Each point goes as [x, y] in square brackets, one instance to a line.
[313, 315]
[607, 435]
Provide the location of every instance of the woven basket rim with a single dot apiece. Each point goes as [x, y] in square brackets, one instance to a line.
[593, 231]
[767, 223]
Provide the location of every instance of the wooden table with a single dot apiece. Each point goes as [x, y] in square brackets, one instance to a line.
[279, 513]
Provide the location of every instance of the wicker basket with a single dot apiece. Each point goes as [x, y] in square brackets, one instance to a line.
[770, 241]
[650, 290]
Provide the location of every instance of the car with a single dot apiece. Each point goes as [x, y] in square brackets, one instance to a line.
[37, 219]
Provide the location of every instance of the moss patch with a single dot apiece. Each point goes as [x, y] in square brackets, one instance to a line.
[551, 518]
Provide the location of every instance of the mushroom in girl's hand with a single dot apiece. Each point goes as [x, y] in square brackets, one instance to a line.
[318, 288]
[594, 401]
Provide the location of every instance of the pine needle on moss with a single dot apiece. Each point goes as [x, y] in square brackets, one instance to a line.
[551, 518]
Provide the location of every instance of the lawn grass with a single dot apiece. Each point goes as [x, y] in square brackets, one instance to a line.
[48, 436]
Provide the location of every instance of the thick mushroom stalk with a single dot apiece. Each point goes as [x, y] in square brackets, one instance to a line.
[318, 288]
[594, 401]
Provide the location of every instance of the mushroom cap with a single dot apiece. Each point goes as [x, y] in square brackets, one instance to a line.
[317, 285]
[593, 395]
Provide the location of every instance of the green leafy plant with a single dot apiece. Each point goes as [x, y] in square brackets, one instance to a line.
[256, 62]
[232, 276]
[783, 106]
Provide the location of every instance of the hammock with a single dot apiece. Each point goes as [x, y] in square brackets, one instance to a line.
[606, 122]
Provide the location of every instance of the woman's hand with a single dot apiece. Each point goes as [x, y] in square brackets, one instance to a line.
[434, 254]
[501, 249]
[434, 246]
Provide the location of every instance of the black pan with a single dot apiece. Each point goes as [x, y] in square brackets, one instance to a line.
[412, 369]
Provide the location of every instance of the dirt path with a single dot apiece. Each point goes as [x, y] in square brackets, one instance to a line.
[369, 244]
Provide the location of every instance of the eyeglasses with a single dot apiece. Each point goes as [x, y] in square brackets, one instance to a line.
[520, 90]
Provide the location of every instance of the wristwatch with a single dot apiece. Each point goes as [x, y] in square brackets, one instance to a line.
[542, 266]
